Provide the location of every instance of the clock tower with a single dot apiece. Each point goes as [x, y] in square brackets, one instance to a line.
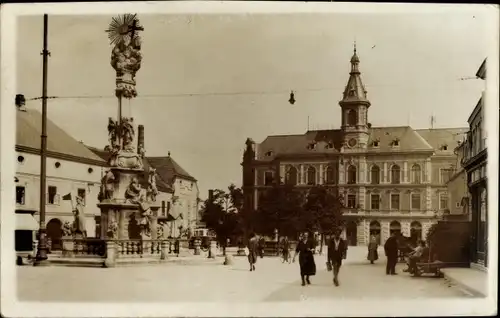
[355, 106]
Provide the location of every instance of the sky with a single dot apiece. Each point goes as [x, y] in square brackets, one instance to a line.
[411, 65]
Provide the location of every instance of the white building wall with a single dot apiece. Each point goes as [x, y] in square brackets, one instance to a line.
[186, 195]
[67, 178]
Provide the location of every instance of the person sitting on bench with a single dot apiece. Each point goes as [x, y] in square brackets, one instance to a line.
[415, 256]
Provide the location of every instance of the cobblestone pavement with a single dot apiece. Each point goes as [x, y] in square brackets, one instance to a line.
[272, 281]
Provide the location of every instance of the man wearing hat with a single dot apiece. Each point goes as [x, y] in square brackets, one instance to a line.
[337, 251]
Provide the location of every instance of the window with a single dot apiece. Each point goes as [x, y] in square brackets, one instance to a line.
[20, 195]
[375, 201]
[311, 146]
[351, 175]
[82, 194]
[52, 195]
[444, 175]
[269, 154]
[375, 175]
[416, 174]
[395, 174]
[268, 178]
[395, 201]
[311, 176]
[376, 143]
[291, 176]
[443, 201]
[351, 201]
[415, 201]
[330, 175]
[352, 118]
[395, 143]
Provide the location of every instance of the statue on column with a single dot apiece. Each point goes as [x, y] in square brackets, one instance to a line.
[107, 186]
[152, 191]
[79, 222]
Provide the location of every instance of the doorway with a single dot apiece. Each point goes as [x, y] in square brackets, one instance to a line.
[375, 230]
[54, 232]
[352, 233]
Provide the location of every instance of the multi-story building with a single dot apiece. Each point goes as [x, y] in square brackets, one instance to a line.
[178, 193]
[474, 162]
[391, 178]
[458, 192]
[71, 168]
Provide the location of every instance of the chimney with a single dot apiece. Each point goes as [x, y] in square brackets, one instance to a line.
[140, 138]
[210, 195]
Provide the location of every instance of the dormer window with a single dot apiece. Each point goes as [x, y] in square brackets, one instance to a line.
[269, 153]
[395, 143]
[376, 143]
[351, 92]
[329, 145]
[444, 147]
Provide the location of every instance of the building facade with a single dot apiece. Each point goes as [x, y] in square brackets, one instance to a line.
[390, 178]
[474, 162]
[71, 168]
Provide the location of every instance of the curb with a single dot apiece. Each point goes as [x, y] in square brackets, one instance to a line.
[463, 287]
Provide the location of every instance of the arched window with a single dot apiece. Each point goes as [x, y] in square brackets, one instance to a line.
[330, 175]
[375, 175]
[352, 117]
[375, 230]
[291, 176]
[415, 231]
[395, 174]
[351, 175]
[311, 175]
[395, 227]
[416, 174]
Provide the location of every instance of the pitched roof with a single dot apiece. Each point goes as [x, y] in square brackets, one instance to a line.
[355, 90]
[321, 141]
[166, 168]
[29, 129]
[439, 137]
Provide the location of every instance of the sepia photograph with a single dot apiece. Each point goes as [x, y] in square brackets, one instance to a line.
[202, 158]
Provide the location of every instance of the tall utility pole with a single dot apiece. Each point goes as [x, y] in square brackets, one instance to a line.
[41, 255]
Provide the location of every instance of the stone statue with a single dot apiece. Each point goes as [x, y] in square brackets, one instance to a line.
[66, 229]
[152, 191]
[126, 59]
[112, 229]
[79, 222]
[107, 186]
[128, 134]
[160, 233]
[136, 195]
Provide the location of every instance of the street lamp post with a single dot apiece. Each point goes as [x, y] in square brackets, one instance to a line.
[41, 255]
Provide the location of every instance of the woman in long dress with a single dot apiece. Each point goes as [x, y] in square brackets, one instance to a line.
[372, 249]
[305, 249]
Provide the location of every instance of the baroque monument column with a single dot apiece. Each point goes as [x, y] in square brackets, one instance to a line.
[128, 193]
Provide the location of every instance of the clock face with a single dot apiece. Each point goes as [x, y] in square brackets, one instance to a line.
[352, 142]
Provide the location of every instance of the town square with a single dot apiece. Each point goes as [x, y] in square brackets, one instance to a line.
[259, 158]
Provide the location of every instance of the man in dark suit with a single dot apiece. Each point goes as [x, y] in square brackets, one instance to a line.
[391, 251]
[337, 251]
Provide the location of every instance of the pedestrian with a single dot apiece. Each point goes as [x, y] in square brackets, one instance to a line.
[391, 251]
[373, 249]
[253, 246]
[415, 256]
[306, 258]
[337, 251]
[262, 244]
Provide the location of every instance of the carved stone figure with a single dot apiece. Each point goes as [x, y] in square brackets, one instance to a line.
[126, 60]
[66, 229]
[112, 231]
[160, 233]
[107, 186]
[128, 134]
[79, 222]
[136, 195]
[152, 191]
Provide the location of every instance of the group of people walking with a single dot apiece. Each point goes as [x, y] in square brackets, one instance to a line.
[336, 253]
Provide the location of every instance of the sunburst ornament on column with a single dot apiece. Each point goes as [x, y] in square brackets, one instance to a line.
[126, 57]
[123, 28]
